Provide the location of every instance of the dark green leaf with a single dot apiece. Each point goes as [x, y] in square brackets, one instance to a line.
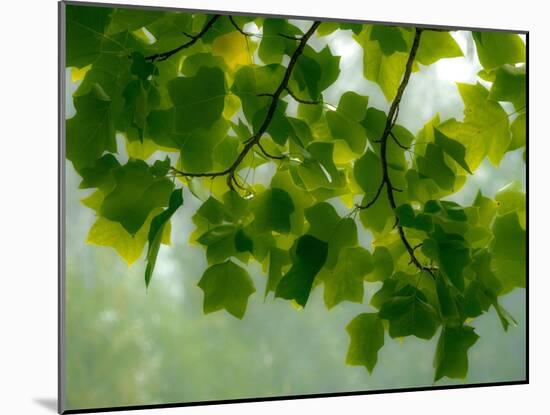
[510, 85]
[198, 100]
[156, 230]
[452, 148]
[243, 242]
[90, 132]
[272, 210]
[308, 260]
[322, 219]
[451, 356]
[85, 27]
[136, 194]
[410, 316]
[345, 281]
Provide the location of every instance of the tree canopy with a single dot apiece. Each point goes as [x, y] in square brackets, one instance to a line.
[202, 100]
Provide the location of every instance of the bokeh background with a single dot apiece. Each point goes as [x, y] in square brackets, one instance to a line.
[126, 345]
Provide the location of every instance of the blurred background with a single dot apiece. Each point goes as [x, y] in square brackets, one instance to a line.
[129, 346]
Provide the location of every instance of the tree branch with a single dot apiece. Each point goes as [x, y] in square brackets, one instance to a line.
[374, 199]
[386, 181]
[269, 155]
[236, 26]
[255, 139]
[392, 135]
[300, 100]
[193, 39]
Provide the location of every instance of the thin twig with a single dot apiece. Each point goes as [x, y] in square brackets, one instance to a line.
[269, 155]
[193, 39]
[386, 181]
[230, 172]
[374, 199]
[300, 100]
[392, 135]
[236, 26]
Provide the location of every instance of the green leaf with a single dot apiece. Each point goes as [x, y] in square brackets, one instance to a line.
[308, 260]
[377, 216]
[220, 242]
[278, 258]
[447, 302]
[142, 68]
[136, 194]
[279, 128]
[253, 80]
[212, 210]
[198, 100]
[349, 130]
[509, 251]
[90, 132]
[353, 106]
[383, 264]
[131, 19]
[273, 46]
[226, 286]
[406, 216]
[345, 281]
[322, 219]
[160, 168]
[495, 49]
[272, 210]
[85, 27]
[410, 316]
[112, 234]
[366, 333]
[519, 132]
[452, 254]
[319, 170]
[487, 209]
[445, 208]
[510, 85]
[243, 242]
[329, 64]
[101, 174]
[435, 46]
[384, 294]
[198, 147]
[432, 165]
[390, 39]
[451, 356]
[374, 124]
[307, 76]
[158, 224]
[343, 235]
[504, 316]
[484, 131]
[368, 173]
[385, 70]
[345, 123]
[452, 148]
[512, 198]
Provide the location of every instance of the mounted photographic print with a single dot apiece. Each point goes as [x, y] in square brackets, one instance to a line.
[260, 207]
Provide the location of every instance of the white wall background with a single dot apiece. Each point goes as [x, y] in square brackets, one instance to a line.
[28, 203]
